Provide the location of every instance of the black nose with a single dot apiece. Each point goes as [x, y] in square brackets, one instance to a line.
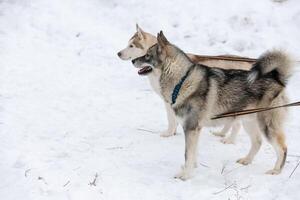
[133, 61]
[119, 54]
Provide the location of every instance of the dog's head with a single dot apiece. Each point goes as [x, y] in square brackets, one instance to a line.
[157, 56]
[137, 46]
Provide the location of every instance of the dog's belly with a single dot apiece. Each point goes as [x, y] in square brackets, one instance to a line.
[216, 123]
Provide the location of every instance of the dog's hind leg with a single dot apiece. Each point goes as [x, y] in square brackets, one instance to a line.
[234, 131]
[278, 143]
[191, 143]
[271, 125]
[225, 129]
[252, 129]
[172, 122]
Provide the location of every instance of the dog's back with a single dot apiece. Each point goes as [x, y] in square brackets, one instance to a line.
[239, 89]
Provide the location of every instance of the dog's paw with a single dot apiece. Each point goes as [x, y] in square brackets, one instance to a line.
[273, 171]
[218, 134]
[167, 133]
[184, 174]
[244, 161]
[227, 140]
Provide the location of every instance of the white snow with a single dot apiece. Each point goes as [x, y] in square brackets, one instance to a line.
[71, 109]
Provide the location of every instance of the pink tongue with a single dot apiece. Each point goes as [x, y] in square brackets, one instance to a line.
[145, 70]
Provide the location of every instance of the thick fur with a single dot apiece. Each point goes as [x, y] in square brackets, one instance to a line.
[207, 92]
[138, 46]
[274, 61]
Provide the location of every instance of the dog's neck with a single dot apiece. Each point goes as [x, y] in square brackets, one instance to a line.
[173, 71]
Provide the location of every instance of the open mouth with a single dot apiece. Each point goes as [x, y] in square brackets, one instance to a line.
[145, 70]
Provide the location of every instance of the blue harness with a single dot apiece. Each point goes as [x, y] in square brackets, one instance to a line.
[179, 85]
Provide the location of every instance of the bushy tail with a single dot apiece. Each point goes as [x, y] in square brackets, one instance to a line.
[275, 62]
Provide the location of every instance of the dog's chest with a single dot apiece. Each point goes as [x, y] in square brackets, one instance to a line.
[154, 82]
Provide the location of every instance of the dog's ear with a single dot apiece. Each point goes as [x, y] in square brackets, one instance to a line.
[137, 27]
[162, 40]
[159, 44]
[139, 31]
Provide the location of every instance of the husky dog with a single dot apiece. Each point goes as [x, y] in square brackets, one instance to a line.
[197, 93]
[142, 41]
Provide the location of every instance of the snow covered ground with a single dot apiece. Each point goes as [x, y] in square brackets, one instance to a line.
[72, 113]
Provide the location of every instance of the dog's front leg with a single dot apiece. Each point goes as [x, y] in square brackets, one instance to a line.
[191, 142]
[172, 122]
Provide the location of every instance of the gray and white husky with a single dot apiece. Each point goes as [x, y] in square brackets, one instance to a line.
[196, 93]
[142, 41]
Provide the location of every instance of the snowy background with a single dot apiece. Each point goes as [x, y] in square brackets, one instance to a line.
[72, 112]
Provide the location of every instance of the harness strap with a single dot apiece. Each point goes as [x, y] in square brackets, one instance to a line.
[178, 86]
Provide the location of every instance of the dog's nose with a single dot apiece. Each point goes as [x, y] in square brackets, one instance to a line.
[133, 61]
[119, 54]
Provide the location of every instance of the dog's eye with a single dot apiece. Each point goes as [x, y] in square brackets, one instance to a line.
[147, 57]
[131, 46]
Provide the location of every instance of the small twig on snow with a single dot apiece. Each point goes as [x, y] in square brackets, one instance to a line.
[26, 172]
[223, 168]
[93, 183]
[42, 179]
[215, 193]
[294, 169]
[66, 183]
[203, 165]
[245, 188]
[149, 131]
[233, 169]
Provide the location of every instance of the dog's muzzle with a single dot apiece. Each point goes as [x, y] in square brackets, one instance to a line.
[144, 68]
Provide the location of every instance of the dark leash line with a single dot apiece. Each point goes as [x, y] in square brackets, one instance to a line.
[251, 111]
